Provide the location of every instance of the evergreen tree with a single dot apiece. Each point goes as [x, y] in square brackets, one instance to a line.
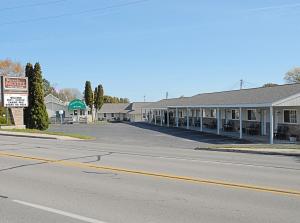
[88, 95]
[101, 96]
[29, 75]
[95, 97]
[98, 98]
[38, 113]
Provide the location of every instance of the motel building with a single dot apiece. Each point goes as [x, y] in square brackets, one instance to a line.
[131, 112]
[266, 114]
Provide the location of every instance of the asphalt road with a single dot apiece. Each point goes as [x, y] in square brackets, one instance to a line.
[133, 174]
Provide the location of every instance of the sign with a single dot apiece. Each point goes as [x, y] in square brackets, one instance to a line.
[15, 100]
[15, 83]
[76, 104]
[14, 92]
[61, 112]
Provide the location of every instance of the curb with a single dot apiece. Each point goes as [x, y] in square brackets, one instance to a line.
[249, 151]
[28, 136]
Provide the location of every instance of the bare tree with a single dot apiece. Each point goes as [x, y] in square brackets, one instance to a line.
[68, 94]
[11, 68]
[293, 75]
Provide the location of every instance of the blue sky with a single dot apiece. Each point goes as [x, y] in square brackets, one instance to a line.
[136, 48]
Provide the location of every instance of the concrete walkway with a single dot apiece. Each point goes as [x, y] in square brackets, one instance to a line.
[37, 135]
[253, 150]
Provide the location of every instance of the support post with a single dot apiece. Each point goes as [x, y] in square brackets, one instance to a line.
[241, 123]
[271, 126]
[176, 117]
[161, 117]
[218, 121]
[201, 119]
[155, 111]
[168, 118]
[187, 118]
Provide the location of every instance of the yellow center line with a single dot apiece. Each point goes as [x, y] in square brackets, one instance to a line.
[159, 175]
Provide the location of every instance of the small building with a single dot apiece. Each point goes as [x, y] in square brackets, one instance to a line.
[259, 114]
[74, 111]
[133, 112]
[53, 106]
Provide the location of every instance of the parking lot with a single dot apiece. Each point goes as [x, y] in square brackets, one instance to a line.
[145, 134]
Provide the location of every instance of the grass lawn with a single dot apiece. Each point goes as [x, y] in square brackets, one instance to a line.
[78, 136]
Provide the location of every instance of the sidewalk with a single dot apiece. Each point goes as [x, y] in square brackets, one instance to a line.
[36, 135]
[253, 150]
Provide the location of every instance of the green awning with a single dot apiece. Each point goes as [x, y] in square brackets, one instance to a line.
[76, 104]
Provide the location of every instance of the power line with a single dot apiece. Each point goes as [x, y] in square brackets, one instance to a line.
[31, 5]
[75, 13]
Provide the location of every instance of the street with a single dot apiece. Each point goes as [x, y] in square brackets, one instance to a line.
[136, 173]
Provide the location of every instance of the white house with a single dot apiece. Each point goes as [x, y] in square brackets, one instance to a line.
[257, 113]
[133, 112]
[74, 111]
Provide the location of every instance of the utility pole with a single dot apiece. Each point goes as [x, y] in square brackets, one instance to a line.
[144, 98]
[167, 95]
[241, 84]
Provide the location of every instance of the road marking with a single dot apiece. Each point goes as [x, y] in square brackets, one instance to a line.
[59, 212]
[158, 175]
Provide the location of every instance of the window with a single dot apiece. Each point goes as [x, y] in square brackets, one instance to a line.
[112, 115]
[104, 115]
[235, 114]
[290, 116]
[252, 115]
[75, 112]
[212, 113]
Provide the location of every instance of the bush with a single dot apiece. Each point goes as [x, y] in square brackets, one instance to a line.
[2, 120]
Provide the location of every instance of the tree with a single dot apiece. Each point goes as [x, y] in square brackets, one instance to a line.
[293, 75]
[38, 113]
[48, 89]
[98, 98]
[29, 74]
[270, 85]
[10, 68]
[110, 99]
[89, 95]
[69, 94]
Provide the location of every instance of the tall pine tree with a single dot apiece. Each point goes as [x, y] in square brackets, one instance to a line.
[89, 95]
[101, 96]
[29, 75]
[98, 98]
[39, 117]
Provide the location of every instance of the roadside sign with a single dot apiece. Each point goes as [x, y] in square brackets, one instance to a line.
[15, 100]
[14, 92]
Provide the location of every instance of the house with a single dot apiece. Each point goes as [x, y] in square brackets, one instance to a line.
[257, 113]
[53, 106]
[132, 112]
[110, 111]
[74, 111]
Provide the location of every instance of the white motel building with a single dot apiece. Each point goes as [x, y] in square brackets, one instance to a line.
[266, 114]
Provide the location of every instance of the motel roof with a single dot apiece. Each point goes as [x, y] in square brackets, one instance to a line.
[124, 108]
[280, 95]
[114, 108]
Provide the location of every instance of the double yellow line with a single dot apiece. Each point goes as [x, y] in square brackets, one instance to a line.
[153, 174]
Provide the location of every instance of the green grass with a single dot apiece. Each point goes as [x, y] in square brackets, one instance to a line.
[78, 136]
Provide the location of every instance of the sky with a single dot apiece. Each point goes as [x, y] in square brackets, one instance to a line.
[138, 48]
